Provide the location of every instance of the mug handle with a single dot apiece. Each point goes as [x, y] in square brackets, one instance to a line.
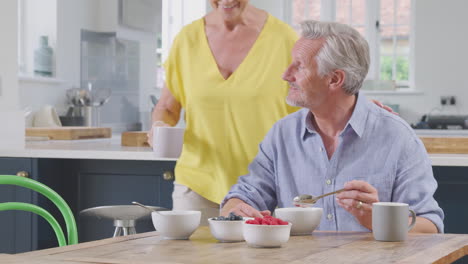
[413, 221]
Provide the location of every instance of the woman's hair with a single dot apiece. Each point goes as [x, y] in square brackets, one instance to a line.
[344, 49]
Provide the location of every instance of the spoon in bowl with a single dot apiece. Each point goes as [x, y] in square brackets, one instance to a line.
[146, 207]
[308, 200]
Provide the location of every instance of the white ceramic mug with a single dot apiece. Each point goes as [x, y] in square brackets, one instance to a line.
[390, 221]
[46, 117]
[167, 141]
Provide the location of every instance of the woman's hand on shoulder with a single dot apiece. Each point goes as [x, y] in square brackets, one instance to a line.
[388, 108]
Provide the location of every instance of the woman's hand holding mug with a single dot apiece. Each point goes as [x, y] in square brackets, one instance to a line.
[149, 135]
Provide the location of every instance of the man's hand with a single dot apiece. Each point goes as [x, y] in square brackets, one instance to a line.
[241, 208]
[389, 109]
[357, 199]
[149, 135]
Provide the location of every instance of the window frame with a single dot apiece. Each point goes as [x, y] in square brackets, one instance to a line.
[372, 35]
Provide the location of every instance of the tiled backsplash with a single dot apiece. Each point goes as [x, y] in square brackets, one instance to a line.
[109, 62]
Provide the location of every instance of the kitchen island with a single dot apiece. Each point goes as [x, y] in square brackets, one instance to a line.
[86, 173]
[98, 172]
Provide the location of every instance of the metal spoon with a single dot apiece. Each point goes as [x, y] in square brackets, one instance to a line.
[146, 207]
[307, 199]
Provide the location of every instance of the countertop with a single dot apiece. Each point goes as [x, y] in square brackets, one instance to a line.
[110, 149]
[107, 149]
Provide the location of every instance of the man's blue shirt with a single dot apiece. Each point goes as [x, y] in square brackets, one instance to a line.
[375, 146]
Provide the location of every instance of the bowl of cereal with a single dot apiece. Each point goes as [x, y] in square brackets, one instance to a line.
[266, 232]
[227, 229]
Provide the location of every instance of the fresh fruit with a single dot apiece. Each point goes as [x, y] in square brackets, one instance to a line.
[231, 217]
[266, 220]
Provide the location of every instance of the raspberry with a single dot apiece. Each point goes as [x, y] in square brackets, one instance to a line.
[252, 222]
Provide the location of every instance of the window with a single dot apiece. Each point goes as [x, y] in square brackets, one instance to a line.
[386, 24]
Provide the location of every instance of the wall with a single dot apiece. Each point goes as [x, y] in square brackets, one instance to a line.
[11, 118]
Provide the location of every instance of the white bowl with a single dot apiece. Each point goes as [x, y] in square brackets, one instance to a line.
[304, 220]
[266, 235]
[176, 224]
[226, 231]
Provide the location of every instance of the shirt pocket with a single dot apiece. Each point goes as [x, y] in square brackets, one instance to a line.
[382, 181]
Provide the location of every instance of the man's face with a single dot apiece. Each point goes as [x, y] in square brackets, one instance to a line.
[306, 88]
[229, 9]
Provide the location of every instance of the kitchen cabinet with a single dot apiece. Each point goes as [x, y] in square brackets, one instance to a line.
[17, 232]
[83, 184]
[110, 182]
[451, 196]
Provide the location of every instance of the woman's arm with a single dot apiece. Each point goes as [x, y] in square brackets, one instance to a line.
[165, 113]
[167, 109]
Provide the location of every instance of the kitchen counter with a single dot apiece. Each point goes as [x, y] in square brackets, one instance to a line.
[110, 149]
[107, 149]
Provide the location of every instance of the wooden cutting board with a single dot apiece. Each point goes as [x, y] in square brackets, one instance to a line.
[448, 145]
[134, 139]
[69, 133]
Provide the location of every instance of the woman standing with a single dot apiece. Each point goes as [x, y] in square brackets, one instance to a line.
[225, 71]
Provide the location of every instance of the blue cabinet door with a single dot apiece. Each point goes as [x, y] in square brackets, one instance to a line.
[451, 196]
[110, 182]
[17, 232]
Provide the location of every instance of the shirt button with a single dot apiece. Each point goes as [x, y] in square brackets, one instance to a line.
[328, 181]
[321, 148]
[329, 216]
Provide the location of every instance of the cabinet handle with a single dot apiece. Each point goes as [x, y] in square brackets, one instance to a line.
[24, 174]
[168, 175]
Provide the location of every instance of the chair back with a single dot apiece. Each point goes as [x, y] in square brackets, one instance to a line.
[52, 196]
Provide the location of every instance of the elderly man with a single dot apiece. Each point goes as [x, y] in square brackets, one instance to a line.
[339, 140]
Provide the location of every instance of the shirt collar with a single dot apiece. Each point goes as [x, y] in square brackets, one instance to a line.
[356, 122]
[358, 119]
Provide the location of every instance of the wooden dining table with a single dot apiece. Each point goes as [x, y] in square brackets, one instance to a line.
[320, 247]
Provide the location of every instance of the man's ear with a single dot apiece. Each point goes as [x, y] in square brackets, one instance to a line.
[337, 79]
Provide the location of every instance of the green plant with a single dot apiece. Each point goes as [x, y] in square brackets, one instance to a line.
[402, 68]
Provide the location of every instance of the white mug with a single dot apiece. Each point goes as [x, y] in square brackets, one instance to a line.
[46, 117]
[390, 221]
[167, 141]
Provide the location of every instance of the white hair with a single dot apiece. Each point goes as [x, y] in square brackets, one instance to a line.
[344, 49]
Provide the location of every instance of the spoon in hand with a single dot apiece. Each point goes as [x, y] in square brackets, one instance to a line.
[146, 207]
[307, 199]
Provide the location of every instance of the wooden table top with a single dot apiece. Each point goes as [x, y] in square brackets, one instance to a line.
[321, 247]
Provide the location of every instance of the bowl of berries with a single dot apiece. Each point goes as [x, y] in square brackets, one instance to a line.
[227, 228]
[266, 232]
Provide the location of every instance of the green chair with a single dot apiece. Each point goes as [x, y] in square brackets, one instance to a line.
[51, 195]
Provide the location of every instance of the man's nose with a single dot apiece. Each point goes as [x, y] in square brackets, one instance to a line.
[287, 76]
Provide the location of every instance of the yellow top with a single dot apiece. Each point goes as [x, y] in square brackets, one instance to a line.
[226, 119]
